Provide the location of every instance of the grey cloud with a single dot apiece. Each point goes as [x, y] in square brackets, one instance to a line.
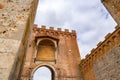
[89, 18]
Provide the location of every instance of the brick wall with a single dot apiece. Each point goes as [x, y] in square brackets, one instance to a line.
[67, 57]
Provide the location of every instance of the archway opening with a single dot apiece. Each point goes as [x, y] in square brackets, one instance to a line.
[43, 73]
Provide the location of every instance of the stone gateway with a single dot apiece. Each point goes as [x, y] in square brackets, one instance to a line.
[24, 48]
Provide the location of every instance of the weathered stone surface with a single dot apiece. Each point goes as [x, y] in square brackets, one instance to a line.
[8, 49]
[9, 45]
[13, 18]
[108, 66]
[5, 69]
[15, 26]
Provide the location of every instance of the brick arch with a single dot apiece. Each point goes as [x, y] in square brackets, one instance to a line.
[49, 66]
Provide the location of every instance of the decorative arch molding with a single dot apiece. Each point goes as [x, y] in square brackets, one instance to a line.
[49, 66]
[55, 44]
[46, 38]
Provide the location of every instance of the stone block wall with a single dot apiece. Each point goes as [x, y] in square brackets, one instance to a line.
[108, 66]
[16, 19]
[103, 62]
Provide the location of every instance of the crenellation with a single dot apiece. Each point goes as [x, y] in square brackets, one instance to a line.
[43, 27]
[35, 25]
[99, 43]
[73, 31]
[51, 28]
[66, 30]
[108, 35]
[59, 29]
[53, 32]
[92, 50]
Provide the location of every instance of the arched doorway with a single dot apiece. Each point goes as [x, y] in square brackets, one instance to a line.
[43, 73]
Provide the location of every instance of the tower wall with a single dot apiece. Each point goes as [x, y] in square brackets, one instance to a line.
[67, 57]
[16, 19]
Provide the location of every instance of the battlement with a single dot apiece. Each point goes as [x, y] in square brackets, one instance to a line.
[51, 31]
[111, 40]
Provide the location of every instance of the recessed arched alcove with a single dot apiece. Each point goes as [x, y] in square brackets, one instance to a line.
[46, 50]
[43, 73]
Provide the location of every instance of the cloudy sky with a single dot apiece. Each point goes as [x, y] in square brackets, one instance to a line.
[89, 18]
[40, 74]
